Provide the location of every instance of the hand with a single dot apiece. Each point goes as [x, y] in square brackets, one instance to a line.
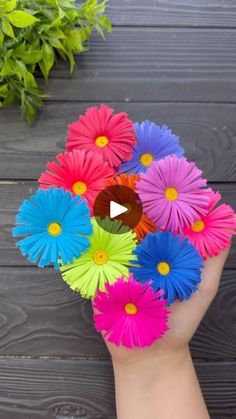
[184, 318]
[160, 381]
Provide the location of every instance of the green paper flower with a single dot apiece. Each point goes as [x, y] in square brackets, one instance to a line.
[108, 257]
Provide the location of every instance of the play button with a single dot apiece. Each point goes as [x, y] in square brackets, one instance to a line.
[118, 202]
[116, 209]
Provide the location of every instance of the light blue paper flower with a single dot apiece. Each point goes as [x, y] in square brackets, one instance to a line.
[55, 225]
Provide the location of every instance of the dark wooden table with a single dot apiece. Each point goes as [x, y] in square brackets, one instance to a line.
[171, 61]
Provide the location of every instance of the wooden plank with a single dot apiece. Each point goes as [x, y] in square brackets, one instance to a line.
[41, 316]
[216, 335]
[207, 133]
[14, 192]
[200, 13]
[48, 389]
[152, 64]
[44, 388]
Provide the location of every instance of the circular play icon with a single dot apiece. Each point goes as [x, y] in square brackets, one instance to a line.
[118, 202]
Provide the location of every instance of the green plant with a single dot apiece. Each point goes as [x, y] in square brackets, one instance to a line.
[32, 35]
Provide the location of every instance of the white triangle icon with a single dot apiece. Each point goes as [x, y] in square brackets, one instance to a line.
[116, 209]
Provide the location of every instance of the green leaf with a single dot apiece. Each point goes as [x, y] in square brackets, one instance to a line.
[3, 90]
[9, 6]
[7, 29]
[74, 40]
[56, 43]
[29, 112]
[21, 19]
[70, 55]
[30, 56]
[8, 68]
[10, 99]
[48, 59]
[105, 22]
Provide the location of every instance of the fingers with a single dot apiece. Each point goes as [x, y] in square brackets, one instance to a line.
[186, 316]
[211, 276]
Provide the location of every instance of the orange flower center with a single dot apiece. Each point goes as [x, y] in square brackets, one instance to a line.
[198, 226]
[146, 159]
[163, 268]
[100, 257]
[171, 194]
[131, 308]
[54, 229]
[79, 188]
[101, 141]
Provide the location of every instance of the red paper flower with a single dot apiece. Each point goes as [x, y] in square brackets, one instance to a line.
[81, 172]
[110, 135]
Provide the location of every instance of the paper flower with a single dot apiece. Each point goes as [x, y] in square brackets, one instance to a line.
[173, 194]
[171, 262]
[212, 233]
[107, 258]
[55, 225]
[81, 172]
[130, 314]
[145, 225]
[111, 135]
[153, 143]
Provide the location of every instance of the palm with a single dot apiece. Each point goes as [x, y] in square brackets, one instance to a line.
[184, 317]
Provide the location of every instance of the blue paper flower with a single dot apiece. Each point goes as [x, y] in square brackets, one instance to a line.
[55, 225]
[171, 262]
[153, 143]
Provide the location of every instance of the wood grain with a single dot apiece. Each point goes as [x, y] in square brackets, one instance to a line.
[200, 13]
[207, 132]
[152, 64]
[41, 316]
[49, 389]
[13, 193]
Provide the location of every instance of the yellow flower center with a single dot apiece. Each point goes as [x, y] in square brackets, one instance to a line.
[101, 141]
[79, 188]
[163, 268]
[54, 229]
[146, 159]
[198, 226]
[131, 308]
[100, 257]
[171, 194]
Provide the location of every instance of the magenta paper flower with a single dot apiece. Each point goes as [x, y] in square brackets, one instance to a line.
[212, 233]
[99, 129]
[130, 313]
[173, 193]
[81, 172]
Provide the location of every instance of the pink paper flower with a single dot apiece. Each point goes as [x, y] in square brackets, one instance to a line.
[173, 193]
[131, 314]
[82, 172]
[212, 233]
[111, 135]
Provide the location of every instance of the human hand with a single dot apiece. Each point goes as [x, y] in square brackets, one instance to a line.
[184, 318]
[147, 379]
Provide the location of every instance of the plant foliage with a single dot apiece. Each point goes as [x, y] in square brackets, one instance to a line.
[32, 35]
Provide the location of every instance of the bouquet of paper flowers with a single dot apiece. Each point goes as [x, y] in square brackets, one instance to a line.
[132, 274]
